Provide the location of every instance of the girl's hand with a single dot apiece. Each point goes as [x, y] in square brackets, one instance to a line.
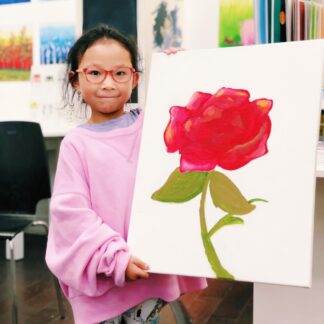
[173, 50]
[136, 269]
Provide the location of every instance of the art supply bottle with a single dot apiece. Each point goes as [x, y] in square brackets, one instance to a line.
[35, 96]
[47, 93]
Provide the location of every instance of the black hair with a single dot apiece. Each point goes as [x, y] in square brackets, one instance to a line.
[88, 38]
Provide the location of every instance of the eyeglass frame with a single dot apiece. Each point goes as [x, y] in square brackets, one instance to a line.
[84, 70]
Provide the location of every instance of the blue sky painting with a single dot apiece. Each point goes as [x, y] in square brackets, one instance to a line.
[12, 1]
[55, 43]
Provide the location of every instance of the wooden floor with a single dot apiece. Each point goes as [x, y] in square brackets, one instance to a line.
[223, 302]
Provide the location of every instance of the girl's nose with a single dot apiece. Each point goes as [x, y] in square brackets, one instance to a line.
[108, 82]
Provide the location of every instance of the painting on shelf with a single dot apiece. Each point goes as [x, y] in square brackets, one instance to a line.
[2, 2]
[226, 181]
[236, 23]
[55, 43]
[16, 53]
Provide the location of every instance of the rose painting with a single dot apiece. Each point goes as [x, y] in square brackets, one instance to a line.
[225, 130]
[225, 185]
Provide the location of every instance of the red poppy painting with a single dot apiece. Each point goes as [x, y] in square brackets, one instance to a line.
[224, 130]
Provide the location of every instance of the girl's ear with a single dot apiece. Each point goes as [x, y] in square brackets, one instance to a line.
[74, 81]
[135, 79]
[75, 85]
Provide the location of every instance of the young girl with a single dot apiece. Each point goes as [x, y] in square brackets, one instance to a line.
[91, 202]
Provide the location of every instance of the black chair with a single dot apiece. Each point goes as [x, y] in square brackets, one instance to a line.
[24, 180]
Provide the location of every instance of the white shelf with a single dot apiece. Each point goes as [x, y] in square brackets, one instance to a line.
[320, 160]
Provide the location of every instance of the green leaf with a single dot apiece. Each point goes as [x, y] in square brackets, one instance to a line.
[227, 196]
[233, 221]
[181, 186]
[226, 220]
[257, 200]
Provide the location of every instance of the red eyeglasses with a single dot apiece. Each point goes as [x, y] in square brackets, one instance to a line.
[95, 74]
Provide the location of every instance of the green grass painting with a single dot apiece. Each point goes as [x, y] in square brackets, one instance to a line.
[14, 75]
[236, 25]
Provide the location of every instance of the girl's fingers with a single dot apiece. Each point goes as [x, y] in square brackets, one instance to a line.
[141, 264]
[172, 50]
[136, 269]
[142, 274]
[136, 273]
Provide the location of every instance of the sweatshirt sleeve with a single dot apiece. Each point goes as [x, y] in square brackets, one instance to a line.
[82, 252]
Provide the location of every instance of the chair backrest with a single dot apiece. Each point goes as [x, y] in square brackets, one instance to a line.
[24, 176]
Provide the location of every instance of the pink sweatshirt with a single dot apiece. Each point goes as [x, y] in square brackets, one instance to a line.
[90, 212]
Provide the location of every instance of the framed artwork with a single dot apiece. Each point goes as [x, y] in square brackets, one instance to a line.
[12, 1]
[168, 24]
[226, 175]
[16, 52]
[55, 42]
[236, 23]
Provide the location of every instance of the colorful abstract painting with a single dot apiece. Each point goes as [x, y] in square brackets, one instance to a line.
[226, 180]
[55, 43]
[12, 1]
[236, 23]
[16, 53]
[167, 30]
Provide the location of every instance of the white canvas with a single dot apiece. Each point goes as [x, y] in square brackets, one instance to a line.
[274, 245]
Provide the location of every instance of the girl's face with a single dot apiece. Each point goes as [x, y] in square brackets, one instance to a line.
[107, 98]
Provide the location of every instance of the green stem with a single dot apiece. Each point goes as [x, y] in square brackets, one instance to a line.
[212, 257]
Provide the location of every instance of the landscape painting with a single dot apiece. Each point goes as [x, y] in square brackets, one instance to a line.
[16, 53]
[55, 43]
[236, 23]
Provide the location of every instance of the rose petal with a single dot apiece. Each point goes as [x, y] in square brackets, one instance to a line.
[242, 154]
[197, 156]
[263, 105]
[174, 136]
[198, 100]
[186, 165]
[237, 95]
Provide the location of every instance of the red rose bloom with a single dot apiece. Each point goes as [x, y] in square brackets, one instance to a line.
[224, 129]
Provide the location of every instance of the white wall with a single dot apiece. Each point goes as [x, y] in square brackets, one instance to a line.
[15, 96]
[200, 31]
[201, 24]
[291, 305]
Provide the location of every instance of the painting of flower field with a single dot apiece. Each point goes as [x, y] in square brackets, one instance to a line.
[216, 191]
[16, 51]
